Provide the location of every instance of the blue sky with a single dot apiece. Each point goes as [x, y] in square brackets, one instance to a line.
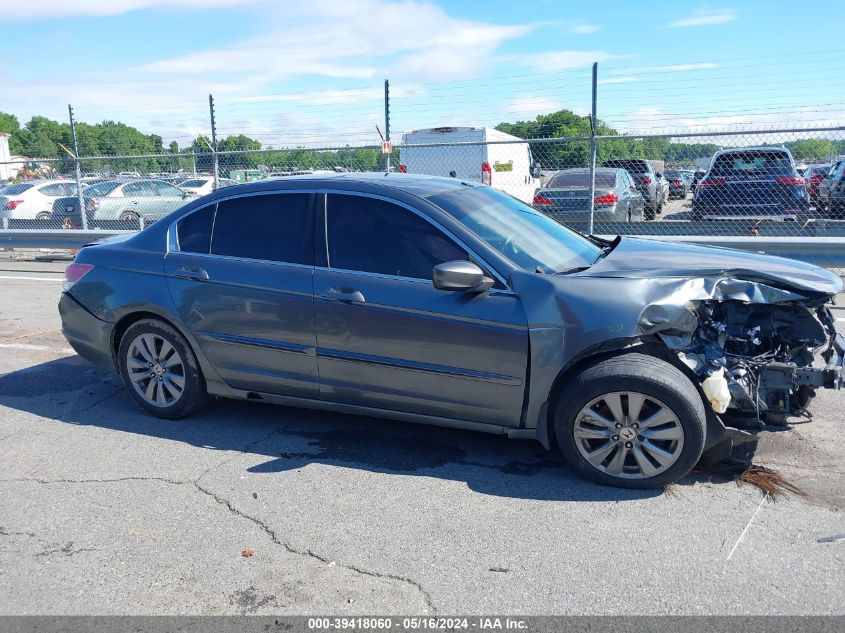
[300, 73]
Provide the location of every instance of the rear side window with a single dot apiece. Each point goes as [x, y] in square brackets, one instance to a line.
[194, 231]
[274, 227]
[369, 235]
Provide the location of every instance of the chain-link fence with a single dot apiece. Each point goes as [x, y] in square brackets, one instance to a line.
[745, 176]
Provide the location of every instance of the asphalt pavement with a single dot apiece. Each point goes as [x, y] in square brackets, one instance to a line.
[254, 509]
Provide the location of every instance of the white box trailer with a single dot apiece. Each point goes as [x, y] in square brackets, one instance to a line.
[482, 154]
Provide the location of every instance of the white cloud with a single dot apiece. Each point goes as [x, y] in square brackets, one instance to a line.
[705, 17]
[531, 105]
[554, 61]
[68, 8]
[585, 29]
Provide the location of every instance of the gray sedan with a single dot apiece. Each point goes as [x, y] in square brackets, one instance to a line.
[566, 196]
[127, 201]
[450, 303]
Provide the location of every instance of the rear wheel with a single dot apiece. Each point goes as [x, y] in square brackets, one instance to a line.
[43, 216]
[633, 421]
[160, 371]
[649, 212]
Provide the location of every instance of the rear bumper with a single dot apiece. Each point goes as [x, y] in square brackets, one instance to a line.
[88, 336]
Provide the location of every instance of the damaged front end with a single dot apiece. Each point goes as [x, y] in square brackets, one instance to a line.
[760, 351]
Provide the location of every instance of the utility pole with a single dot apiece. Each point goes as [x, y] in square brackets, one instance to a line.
[80, 198]
[593, 125]
[387, 123]
[213, 142]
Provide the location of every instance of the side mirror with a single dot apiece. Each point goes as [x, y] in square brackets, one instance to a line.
[659, 175]
[535, 170]
[460, 275]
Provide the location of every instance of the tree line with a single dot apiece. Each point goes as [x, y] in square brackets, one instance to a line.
[41, 137]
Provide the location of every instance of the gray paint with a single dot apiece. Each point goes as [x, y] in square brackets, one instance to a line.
[408, 350]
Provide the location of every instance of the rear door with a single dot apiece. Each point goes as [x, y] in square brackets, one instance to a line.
[244, 288]
[388, 339]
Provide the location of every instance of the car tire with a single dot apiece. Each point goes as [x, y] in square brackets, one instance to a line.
[648, 212]
[44, 216]
[171, 386]
[671, 449]
[130, 217]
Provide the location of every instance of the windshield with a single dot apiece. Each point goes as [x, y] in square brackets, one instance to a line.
[13, 190]
[196, 182]
[100, 189]
[529, 239]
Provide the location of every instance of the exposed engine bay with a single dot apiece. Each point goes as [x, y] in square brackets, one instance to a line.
[761, 360]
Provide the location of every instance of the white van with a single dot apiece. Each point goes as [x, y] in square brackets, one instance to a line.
[479, 154]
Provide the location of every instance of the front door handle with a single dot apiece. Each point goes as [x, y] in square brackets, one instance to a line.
[192, 272]
[347, 294]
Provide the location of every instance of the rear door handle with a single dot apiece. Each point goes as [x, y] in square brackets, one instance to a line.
[192, 272]
[347, 295]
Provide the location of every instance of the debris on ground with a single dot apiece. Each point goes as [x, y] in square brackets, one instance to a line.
[500, 569]
[247, 553]
[768, 481]
[836, 538]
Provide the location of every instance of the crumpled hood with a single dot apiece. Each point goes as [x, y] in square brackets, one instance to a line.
[635, 258]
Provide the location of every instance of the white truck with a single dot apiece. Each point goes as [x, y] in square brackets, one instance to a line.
[482, 154]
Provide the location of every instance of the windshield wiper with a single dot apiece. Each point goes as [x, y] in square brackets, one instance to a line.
[568, 271]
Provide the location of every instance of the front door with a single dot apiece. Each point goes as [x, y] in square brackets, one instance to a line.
[386, 338]
[245, 290]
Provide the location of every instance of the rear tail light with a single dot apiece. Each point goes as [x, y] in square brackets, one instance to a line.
[609, 198]
[486, 174]
[91, 204]
[403, 169]
[647, 180]
[711, 182]
[796, 181]
[541, 201]
[815, 180]
[12, 204]
[677, 183]
[73, 273]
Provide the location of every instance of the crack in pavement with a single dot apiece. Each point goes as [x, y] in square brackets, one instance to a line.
[5, 532]
[309, 553]
[66, 549]
[175, 482]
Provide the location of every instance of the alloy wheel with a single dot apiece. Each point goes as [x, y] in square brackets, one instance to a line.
[628, 434]
[156, 370]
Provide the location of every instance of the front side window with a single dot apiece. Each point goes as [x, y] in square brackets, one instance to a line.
[100, 189]
[273, 227]
[374, 236]
[194, 231]
[166, 189]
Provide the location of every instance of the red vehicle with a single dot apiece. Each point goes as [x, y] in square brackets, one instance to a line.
[813, 178]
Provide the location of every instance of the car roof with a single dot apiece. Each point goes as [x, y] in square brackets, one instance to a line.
[758, 148]
[415, 184]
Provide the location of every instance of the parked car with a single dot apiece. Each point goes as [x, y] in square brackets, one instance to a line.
[203, 185]
[751, 182]
[439, 301]
[477, 154]
[697, 176]
[33, 200]
[813, 177]
[125, 200]
[646, 180]
[824, 190]
[678, 185]
[566, 196]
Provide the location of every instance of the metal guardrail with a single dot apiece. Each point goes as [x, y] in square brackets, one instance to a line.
[60, 239]
[822, 250]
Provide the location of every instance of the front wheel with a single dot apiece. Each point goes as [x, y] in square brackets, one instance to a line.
[632, 421]
[160, 370]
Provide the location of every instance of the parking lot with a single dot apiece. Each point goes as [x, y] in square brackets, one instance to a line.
[252, 509]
